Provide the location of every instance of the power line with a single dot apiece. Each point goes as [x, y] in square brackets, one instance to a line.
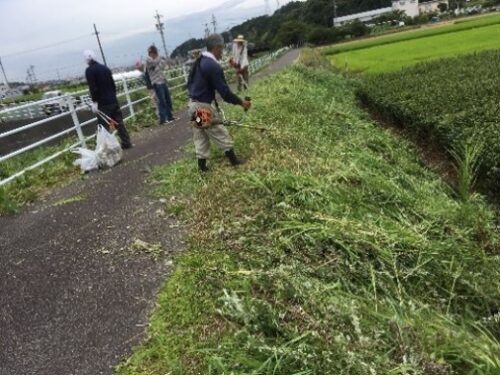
[46, 46]
[160, 26]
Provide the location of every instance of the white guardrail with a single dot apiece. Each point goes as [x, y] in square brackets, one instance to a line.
[77, 102]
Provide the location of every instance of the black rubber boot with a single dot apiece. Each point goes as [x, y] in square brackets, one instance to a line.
[202, 165]
[232, 158]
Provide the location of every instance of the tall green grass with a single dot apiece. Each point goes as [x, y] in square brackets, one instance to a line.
[332, 251]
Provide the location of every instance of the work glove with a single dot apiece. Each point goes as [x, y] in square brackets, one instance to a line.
[246, 104]
[94, 107]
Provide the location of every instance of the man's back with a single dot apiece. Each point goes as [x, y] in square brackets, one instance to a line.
[101, 84]
[208, 77]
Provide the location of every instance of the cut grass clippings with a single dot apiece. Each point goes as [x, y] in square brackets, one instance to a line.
[332, 251]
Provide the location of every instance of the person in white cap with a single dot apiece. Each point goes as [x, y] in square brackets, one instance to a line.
[103, 93]
[240, 62]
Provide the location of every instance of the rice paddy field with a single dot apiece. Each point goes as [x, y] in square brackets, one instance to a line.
[333, 250]
[454, 102]
[393, 52]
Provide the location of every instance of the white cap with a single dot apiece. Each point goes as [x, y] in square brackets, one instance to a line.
[89, 55]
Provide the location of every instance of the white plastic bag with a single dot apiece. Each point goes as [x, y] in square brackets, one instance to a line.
[88, 159]
[109, 151]
[107, 154]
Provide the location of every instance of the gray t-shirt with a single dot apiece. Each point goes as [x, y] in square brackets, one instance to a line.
[155, 69]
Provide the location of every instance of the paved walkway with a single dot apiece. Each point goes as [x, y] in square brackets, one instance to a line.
[74, 295]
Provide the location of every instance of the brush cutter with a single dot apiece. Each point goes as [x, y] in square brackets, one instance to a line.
[239, 124]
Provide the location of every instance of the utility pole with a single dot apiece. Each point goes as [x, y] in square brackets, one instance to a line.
[96, 33]
[214, 23]
[334, 12]
[160, 26]
[4, 75]
[278, 5]
[267, 7]
[207, 31]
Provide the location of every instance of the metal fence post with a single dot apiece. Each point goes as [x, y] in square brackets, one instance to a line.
[127, 95]
[76, 122]
[185, 73]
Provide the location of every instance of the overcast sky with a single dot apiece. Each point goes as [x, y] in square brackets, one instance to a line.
[27, 25]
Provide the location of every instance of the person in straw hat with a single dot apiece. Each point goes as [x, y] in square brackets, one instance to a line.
[239, 61]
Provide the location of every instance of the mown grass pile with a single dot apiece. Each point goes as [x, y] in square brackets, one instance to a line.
[332, 251]
[454, 100]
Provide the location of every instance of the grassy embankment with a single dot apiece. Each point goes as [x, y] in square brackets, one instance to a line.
[393, 52]
[332, 251]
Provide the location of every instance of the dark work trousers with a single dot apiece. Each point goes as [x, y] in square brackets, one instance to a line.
[244, 75]
[114, 111]
[164, 102]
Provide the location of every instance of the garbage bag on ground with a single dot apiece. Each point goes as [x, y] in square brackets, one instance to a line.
[109, 151]
[107, 154]
[87, 161]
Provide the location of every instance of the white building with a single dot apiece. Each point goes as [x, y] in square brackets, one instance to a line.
[363, 16]
[412, 8]
[432, 6]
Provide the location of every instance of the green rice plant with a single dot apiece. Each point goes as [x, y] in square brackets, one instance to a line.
[395, 56]
[447, 101]
[413, 35]
[466, 162]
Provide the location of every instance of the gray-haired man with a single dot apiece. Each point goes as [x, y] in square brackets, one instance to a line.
[207, 76]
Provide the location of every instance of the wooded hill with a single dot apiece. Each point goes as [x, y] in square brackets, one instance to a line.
[294, 23]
